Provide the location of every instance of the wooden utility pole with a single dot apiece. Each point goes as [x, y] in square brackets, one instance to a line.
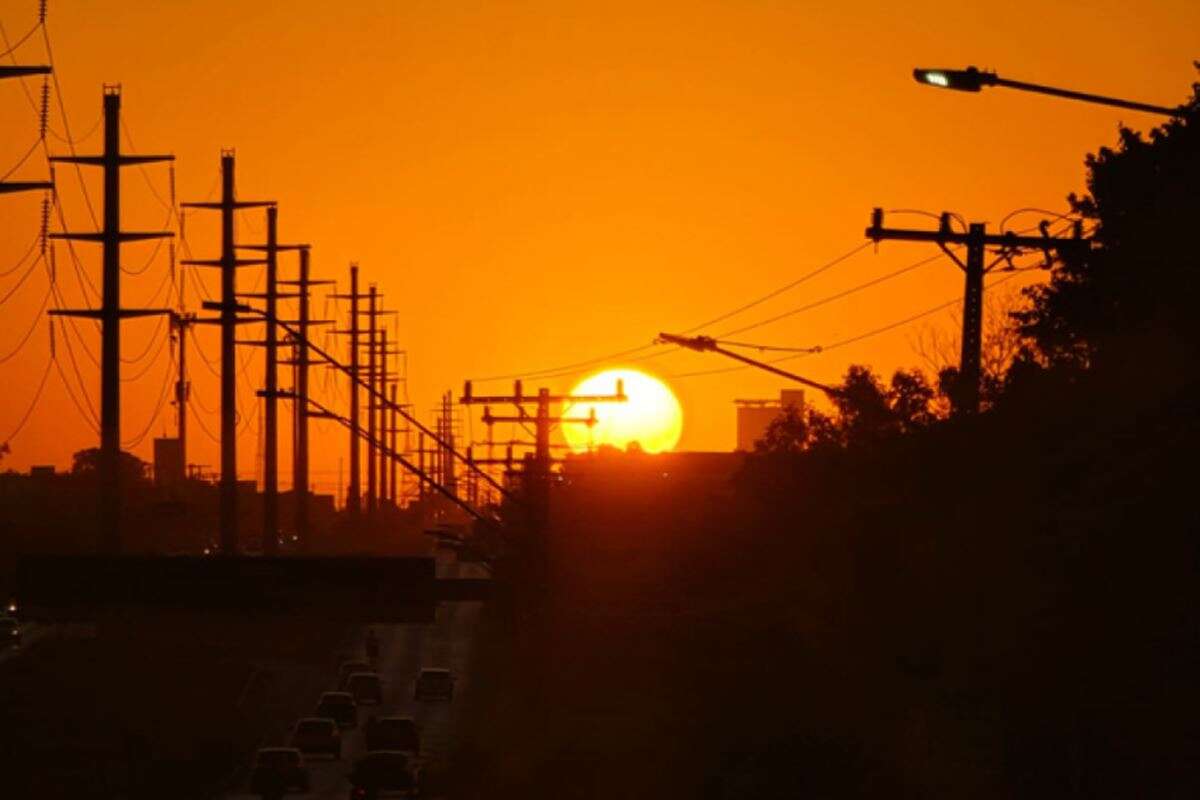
[229, 264]
[110, 312]
[354, 489]
[977, 240]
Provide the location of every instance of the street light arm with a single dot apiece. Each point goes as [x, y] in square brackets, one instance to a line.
[973, 79]
[1087, 97]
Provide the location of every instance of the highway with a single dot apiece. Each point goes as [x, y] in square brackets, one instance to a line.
[404, 651]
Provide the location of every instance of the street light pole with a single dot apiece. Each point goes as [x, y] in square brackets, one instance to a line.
[973, 79]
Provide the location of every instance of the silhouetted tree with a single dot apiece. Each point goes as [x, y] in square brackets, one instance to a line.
[86, 463]
[1131, 298]
[796, 430]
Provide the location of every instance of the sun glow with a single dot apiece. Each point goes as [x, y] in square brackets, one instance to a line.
[651, 416]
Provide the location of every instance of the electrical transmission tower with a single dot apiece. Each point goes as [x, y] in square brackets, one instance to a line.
[229, 264]
[302, 359]
[354, 488]
[270, 391]
[110, 312]
[977, 240]
[376, 398]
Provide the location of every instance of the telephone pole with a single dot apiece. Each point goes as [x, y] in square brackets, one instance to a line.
[229, 264]
[977, 240]
[302, 361]
[270, 391]
[110, 312]
[354, 489]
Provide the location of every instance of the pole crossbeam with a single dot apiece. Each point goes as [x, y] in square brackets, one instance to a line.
[977, 239]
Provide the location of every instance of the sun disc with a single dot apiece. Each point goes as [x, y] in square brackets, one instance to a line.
[651, 417]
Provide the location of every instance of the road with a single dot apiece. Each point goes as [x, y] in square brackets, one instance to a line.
[404, 651]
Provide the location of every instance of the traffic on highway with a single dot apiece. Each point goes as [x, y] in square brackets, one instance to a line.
[385, 724]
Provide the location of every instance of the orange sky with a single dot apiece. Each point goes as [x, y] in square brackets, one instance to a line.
[538, 183]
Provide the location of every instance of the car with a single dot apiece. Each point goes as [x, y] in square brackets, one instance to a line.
[393, 733]
[348, 668]
[317, 735]
[367, 688]
[386, 772]
[434, 684]
[339, 706]
[278, 768]
[10, 632]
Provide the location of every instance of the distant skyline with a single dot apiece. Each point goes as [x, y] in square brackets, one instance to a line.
[535, 184]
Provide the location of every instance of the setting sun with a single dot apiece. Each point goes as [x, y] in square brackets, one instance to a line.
[651, 417]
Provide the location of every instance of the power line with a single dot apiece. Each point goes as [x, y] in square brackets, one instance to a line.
[20, 281]
[567, 369]
[820, 349]
[21, 261]
[786, 287]
[62, 110]
[162, 400]
[834, 297]
[89, 416]
[25, 338]
[162, 343]
[21, 162]
[14, 47]
[79, 377]
[37, 395]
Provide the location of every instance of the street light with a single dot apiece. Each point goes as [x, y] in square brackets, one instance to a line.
[972, 79]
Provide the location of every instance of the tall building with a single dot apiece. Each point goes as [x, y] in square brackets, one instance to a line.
[753, 416]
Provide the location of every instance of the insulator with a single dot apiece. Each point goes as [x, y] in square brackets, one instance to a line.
[42, 12]
[52, 353]
[171, 180]
[44, 116]
[45, 233]
[53, 266]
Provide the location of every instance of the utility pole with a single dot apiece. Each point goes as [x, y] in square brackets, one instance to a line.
[541, 418]
[372, 308]
[302, 361]
[229, 264]
[110, 312]
[270, 391]
[354, 490]
[381, 384]
[393, 430]
[386, 411]
[375, 396]
[977, 240]
[181, 323]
